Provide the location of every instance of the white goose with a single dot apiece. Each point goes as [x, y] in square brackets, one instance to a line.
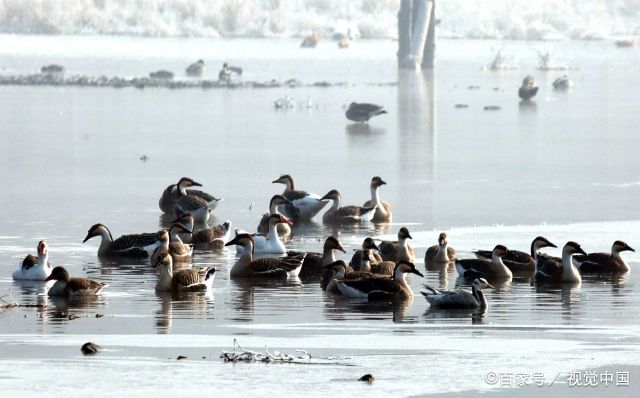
[35, 268]
[458, 299]
[308, 204]
[271, 243]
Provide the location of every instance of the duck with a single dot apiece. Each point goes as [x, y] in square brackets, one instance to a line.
[196, 69]
[441, 253]
[549, 269]
[67, 286]
[161, 75]
[375, 287]
[246, 266]
[562, 83]
[527, 90]
[378, 268]
[337, 214]
[283, 229]
[35, 268]
[383, 211]
[135, 245]
[459, 298]
[307, 204]
[313, 264]
[339, 270]
[600, 263]
[398, 250]
[363, 112]
[183, 280]
[171, 194]
[494, 268]
[516, 260]
[356, 259]
[270, 243]
[310, 41]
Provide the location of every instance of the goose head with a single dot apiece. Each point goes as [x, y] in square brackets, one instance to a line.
[404, 234]
[331, 195]
[406, 267]
[499, 251]
[97, 230]
[377, 182]
[242, 239]
[285, 179]
[620, 246]
[442, 239]
[481, 283]
[540, 242]
[368, 243]
[332, 243]
[43, 248]
[163, 259]
[58, 274]
[186, 182]
[276, 219]
[571, 248]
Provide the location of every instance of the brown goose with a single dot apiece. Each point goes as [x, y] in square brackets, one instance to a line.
[183, 280]
[549, 269]
[339, 270]
[67, 286]
[307, 204]
[246, 266]
[171, 194]
[212, 238]
[180, 252]
[345, 214]
[441, 253]
[516, 260]
[399, 250]
[383, 208]
[138, 245]
[35, 268]
[276, 202]
[376, 288]
[600, 263]
[313, 263]
[310, 41]
[381, 268]
[368, 243]
[494, 268]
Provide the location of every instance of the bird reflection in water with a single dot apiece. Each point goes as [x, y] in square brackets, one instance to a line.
[363, 130]
[67, 308]
[340, 308]
[181, 305]
[245, 290]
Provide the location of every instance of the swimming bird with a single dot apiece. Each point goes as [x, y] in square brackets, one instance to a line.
[459, 298]
[310, 41]
[337, 271]
[225, 73]
[527, 90]
[67, 286]
[171, 194]
[376, 288]
[35, 268]
[162, 75]
[313, 263]
[52, 69]
[362, 112]
[549, 269]
[441, 253]
[356, 259]
[516, 260]
[383, 208]
[378, 268]
[135, 245]
[270, 243]
[276, 202]
[212, 238]
[182, 280]
[308, 204]
[197, 203]
[495, 268]
[90, 348]
[180, 252]
[337, 214]
[196, 69]
[399, 250]
[562, 83]
[246, 266]
[600, 263]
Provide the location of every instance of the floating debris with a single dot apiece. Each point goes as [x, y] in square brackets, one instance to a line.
[461, 106]
[90, 348]
[368, 378]
[492, 108]
[473, 87]
[8, 302]
[239, 354]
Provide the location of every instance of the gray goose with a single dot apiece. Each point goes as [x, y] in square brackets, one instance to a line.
[601, 263]
[549, 269]
[378, 268]
[362, 112]
[67, 286]
[135, 245]
[399, 250]
[441, 253]
[339, 270]
[368, 243]
[345, 214]
[307, 204]
[494, 268]
[276, 202]
[180, 251]
[198, 205]
[313, 264]
[458, 299]
[383, 211]
[196, 69]
[205, 238]
[377, 288]
[171, 194]
[183, 280]
[516, 260]
[246, 266]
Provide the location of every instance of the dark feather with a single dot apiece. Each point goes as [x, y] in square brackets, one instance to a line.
[77, 284]
[29, 261]
[132, 244]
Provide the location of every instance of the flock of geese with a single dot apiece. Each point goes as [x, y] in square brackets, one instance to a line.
[375, 272]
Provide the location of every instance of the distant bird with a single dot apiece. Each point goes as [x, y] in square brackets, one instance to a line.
[494, 268]
[562, 83]
[277, 202]
[363, 112]
[90, 348]
[52, 69]
[313, 264]
[625, 43]
[35, 268]
[310, 41]
[196, 69]
[367, 244]
[527, 90]
[225, 73]
[172, 194]
[67, 286]
[162, 75]
[517, 260]
[368, 378]
[458, 299]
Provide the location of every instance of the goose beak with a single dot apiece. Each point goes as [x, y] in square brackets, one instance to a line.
[629, 248]
[285, 220]
[48, 278]
[409, 236]
[551, 245]
[275, 181]
[232, 242]
[195, 184]
[340, 248]
[581, 251]
[490, 286]
[382, 182]
[89, 236]
[415, 271]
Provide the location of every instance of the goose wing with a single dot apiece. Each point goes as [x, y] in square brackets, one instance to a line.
[134, 243]
[596, 262]
[29, 261]
[468, 267]
[202, 195]
[207, 235]
[190, 203]
[295, 195]
[275, 266]
[388, 249]
[352, 212]
[451, 299]
[548, 267]
[383, 268]
[373, 285]
[80, 285]
[186, 277]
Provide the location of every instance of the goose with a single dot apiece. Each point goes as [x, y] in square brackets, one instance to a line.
[171, 194]
[441, 253]
[313, 263]
[398, 250]
[183, 280]
[274, 204]
[225, 73]
[197, 205]
[378, 268]
[339, 270]
[180, 252]
[67, 286]
[310, 41]
[527, 90]
[362, 112]
[495, 268]
[356, 259]
[383, 209]
[270, 243]
[345, 214]
[35, 268]
[212, 238]
[188, 222]
[562, 83]
[549, 269]
[161, 75]
[375, 287]
[246, 266]
[52, 69]
[516, 260]
[308, 204]
[137, 245]
[604, 262]
[459, 298]
[196, 69]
